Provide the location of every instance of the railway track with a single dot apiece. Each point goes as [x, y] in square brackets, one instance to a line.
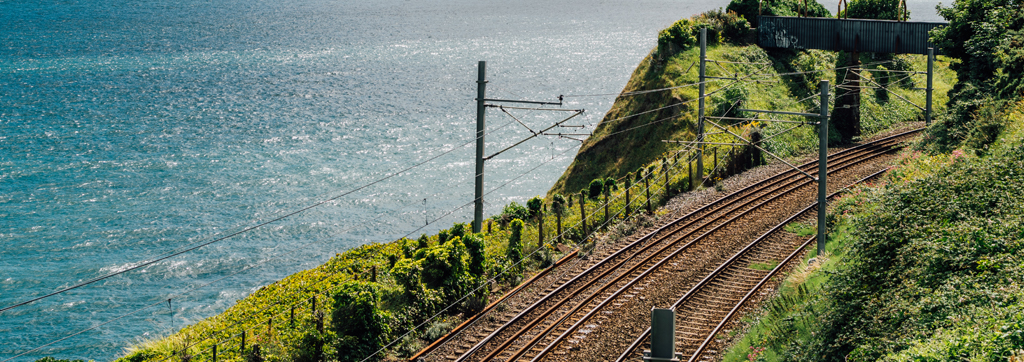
[555, 324]
[713, 302]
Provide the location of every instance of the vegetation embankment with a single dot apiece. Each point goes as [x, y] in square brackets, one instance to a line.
[660, 100]
[926, 266]
[414, 291]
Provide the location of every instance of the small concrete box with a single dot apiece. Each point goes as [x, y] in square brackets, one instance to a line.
[663, 337]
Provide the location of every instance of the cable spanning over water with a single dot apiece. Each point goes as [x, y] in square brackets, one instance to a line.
[269, 259]
[407, 235]
[236, 233]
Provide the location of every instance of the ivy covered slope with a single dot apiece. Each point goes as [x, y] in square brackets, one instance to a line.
[929, 266]
[650, 108]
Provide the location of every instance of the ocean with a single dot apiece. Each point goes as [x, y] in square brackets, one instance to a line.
[132, 129]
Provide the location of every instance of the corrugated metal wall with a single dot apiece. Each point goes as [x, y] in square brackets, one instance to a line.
[878, 36]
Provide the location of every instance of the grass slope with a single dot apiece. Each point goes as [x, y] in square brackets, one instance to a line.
[927, 267]
[630, 134]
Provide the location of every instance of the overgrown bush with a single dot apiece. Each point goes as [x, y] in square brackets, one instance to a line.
[358, 321]
[596, 186]
[934, 270]
[477, 258]
[445, 267]
[535, 205]
[514, 252]
[514, 211]
[987, 36]
[749, 9]
[558, 204]
[406, 273]
[423, 242]
[458, 230]
[685, 33]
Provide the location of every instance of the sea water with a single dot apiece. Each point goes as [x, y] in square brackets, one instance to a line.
[131, 129]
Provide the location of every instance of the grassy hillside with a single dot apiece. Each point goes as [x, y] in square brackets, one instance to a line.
[630, 134]
[926, 266]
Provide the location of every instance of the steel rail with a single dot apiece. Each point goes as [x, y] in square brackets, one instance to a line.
[649, 258]
[696, 288]
[735, 309]
[444, 339]
[589, 284]
[661, 263]
[551, 310]
[753, 188]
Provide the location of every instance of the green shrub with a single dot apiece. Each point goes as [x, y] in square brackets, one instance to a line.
[986, 36]
[535, 205]
[748, 9]
[406, 274]
[445, 267]
[438, 329]
[596, 186]
[609, 186]
[725, 25]
[930, 267]
[423, 242]
[357, 319]
[458, 230]
[514, 211]
[515, 244]
[477, 257]
[313, 346]
[676, 38]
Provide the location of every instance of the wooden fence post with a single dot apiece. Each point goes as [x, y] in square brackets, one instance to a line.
[647, 186]
[583, 214]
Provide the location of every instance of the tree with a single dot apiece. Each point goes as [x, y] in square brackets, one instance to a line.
[445, 267]
[987, 37]
[406, 273]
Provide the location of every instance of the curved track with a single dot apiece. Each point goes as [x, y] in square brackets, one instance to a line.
[554, 325]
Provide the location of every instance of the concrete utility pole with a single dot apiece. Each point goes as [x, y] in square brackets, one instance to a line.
[822, 165]
[928, 88]
[481, 91]
[700, 108]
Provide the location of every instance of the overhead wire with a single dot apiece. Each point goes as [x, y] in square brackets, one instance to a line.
[177, 296]
[407, 235]
[236, 233]
[491, 280]
[184, 293]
